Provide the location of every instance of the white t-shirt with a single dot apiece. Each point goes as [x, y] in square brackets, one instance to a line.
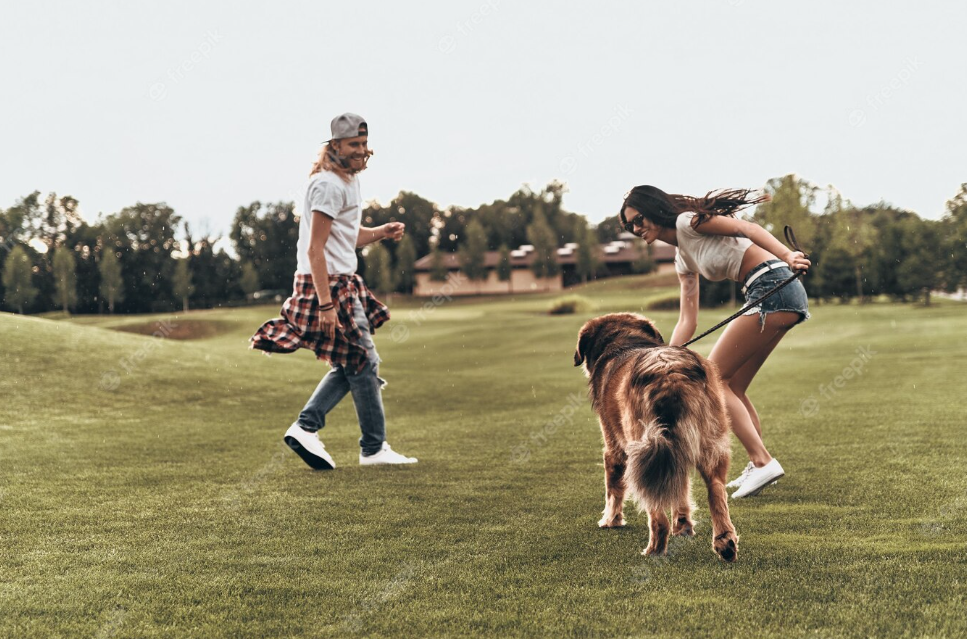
[327, 193]
[715, 257]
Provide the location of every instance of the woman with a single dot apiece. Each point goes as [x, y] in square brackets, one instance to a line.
[713, 243]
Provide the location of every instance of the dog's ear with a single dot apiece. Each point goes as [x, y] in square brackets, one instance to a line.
[649, 328]
[582, 347]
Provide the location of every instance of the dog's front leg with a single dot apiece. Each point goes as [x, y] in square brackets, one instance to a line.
[657, 533]
[614, 489]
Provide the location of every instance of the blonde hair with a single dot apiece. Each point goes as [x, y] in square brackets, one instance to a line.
[327, 162]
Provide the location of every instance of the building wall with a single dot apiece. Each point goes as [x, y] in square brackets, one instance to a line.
[521, 281]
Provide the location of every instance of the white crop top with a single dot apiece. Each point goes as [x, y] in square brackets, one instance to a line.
[714, 257]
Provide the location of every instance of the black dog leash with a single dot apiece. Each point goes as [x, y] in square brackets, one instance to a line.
[791, 239]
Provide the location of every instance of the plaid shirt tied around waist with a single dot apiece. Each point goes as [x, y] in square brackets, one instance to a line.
[299, 326]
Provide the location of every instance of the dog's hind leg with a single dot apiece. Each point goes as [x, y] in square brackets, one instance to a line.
[614, 489]
[657, 533]
[725, 541]
[682, 523]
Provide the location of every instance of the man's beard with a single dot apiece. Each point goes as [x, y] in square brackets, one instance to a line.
[345, 161]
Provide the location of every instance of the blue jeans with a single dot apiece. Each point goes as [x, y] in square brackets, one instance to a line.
[365, 387]
[791, 298]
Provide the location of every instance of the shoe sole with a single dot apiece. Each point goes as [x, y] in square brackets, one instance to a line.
[740, 485]
[314, 461]
[761, 488]
[386, 463]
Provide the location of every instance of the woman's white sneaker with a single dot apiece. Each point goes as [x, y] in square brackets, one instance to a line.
[758, 479]
[735, 483]
[307, 446]
[385, 456]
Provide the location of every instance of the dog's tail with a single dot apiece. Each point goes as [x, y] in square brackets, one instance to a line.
[659, 465]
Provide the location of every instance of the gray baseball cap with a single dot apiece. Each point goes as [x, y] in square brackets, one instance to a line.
[348, 125]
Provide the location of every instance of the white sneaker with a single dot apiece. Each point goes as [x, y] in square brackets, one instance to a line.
[758, 479]
[735, 483]
[385, 456]
[307, 446]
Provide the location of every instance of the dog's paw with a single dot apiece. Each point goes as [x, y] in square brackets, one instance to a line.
[683, 527]
[653, 550]
[726, 546]
[612, 522]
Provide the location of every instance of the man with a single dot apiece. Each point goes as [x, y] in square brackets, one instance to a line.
[336, 321]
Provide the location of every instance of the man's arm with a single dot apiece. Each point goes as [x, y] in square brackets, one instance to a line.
[321, 225]
[393, 231]
[369, 235]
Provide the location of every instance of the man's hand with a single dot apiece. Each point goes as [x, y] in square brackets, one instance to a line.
[394, 231]
[329, 323]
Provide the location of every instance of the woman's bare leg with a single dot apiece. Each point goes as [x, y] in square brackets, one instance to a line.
[743, 378]
[740, 342]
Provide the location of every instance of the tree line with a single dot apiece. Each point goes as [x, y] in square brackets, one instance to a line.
[146, 258]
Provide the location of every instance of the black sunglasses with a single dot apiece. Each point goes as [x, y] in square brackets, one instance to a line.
[629, 225]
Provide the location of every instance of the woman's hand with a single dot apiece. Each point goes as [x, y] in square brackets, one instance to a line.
[394, 231]
[329, 322]
[797, 261]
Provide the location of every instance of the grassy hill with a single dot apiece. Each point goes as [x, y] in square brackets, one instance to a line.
[145, 489]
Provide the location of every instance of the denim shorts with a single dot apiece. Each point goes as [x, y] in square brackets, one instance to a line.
[791, 298]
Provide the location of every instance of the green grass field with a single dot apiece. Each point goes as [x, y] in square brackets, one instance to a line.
[146, 492]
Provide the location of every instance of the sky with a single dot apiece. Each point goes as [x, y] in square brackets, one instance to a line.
[211, 106]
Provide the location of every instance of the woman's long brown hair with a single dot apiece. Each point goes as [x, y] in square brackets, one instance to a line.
[664, 208]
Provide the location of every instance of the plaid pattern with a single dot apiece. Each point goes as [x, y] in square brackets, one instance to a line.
[299, 325]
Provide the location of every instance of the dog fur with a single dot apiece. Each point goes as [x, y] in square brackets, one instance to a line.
[662, 413]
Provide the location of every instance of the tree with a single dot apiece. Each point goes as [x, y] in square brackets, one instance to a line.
[268, 237]
[209, 288]
[505, 270]
[473, 253]
[919, 271]
[587, 261]
[539, 234]
[85, 241]
[791, 205]
[112, 282]
[955, 243]
[643, 262]
[144, 237]
[419, 214]
[182, 286]
[59, 219]
[854, 233]
[250, 279]
[17, 281]
[406, 264]
[438, 268]
[609, 230]
[379, 269]
[65, 277]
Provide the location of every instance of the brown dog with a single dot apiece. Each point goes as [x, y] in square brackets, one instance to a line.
[662, 413]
